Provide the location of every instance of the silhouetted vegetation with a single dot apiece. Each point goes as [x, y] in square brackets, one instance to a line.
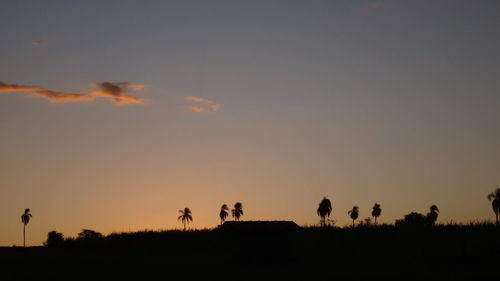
[354, 213]
[88, 234]
[376, 212]
[407, 248]
[185, 217]
[259, 226]
[464, 252]
[433, 214]
[324, 210]
[223, 213]
[54, 239]
[237, 212]
[494, 197]
[25, 218]
[413, 219]
[418, 220]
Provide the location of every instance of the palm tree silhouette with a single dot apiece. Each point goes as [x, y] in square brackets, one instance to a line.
[376, 212]
[494, 197]
[324, 210]
[433, 214]
[185, 217]
[237, 212]
[25, 218]
[354, 213]
[223, 213]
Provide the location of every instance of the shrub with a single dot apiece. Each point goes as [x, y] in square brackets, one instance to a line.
[54, 239]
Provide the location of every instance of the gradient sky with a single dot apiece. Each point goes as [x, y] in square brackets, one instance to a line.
[272, 103]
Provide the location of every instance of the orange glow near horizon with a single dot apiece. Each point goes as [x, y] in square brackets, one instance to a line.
[116, 123]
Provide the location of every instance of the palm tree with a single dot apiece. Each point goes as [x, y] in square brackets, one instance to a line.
[185, 217]
[324, 210]
[25, 218]
[354, 213]
[237, 212]
[223, 213]
[433, 214]
[376, 212]
[494, 197]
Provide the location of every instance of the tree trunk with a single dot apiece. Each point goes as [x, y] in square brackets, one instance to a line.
[24, 234]
[496, 214]
[184, 223]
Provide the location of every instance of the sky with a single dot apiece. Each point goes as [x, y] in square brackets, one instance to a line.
[114, 115]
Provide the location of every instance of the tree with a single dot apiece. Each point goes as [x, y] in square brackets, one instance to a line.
[54, 239]
[416, 220]
[376, 212]
[324, 210]
[185, 217]
[88, 234]
[412, 219]
[25, 218]
[432, 215]
[354, 213]
[237, 212]
[494, 197]
[223, 213]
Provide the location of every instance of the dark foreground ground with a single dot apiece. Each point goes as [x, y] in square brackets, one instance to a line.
[362, 253]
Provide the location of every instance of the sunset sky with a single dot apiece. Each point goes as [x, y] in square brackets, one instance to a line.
[116, 114]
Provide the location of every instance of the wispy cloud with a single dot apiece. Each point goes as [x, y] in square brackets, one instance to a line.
[39, 43]
[13, 88]
[57, 97]
[206, 105]
[117, 92]
[114, 91]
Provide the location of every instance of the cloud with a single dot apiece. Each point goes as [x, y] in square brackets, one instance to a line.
[117, 92]
[13, 88]
[197, 108]
[207, 105]
[39, 43]
[114, 91]
[51, 96]
[57, 97]
[136, 87]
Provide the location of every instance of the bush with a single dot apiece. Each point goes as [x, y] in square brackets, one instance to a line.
[413, 220]
[87, 234]
[54, 239]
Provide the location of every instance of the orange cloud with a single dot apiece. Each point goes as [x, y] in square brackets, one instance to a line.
[116, 92]
[136, 87]
[195, 99]
[57, 97]
[208, 105]
[51, 96]
[13, 88]
[197, 108]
